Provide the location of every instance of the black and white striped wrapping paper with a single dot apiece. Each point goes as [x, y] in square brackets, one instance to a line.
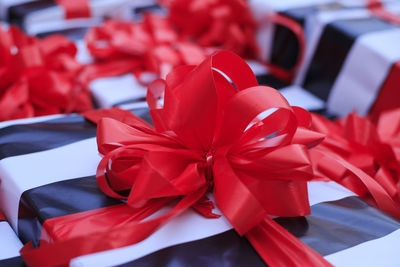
[350, 55]
[9, 246]
[48, 167]
[349, 52]
[45, 16]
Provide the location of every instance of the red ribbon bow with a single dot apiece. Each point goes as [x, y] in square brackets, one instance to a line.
[157, 48]
[211, 134]
[362, 157]
[38, 76]
[227, 24]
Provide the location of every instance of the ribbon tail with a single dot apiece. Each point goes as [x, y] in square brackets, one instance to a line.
[277, 247]
[60, 253]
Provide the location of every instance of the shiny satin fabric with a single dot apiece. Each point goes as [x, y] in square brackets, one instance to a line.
[255, 165]
[354, 222]
[229, 25]
[39, 76]
[158, 48]
[362, 157]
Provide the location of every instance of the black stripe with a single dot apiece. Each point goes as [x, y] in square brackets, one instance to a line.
[17, 13]
[58, 199]
[75, 34]
[335, 43]
[332, 227]
[226, 249]
[12, 262]
[271, 80]
[22, 139]
[28, 138]
[285, 46]
[130, 101]
[337, 225]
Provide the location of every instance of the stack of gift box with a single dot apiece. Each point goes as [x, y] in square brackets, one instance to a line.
[195, 133]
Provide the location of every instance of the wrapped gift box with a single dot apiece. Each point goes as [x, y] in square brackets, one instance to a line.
[339, 35]
[341, 227]
[46, 16]
[333, 68]
[278, 44]
[9, 245]
[59, 158]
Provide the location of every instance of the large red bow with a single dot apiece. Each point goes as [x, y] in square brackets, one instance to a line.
[38, 76]
[216, 130]
[362, 157]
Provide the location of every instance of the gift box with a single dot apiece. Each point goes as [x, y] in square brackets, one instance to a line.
[333, 68]
[46, 16]
[38, 136]
[9, 245]
[64, 195]
[62, 157]
[341, 227]
[278, 42]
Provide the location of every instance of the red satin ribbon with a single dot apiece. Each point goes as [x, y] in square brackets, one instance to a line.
[75, 8]
[255, 165]
[377, 9]
[158, 48]
[38, 76]
[386, 99]
[225, 24]
[361, 158]
[230, 25]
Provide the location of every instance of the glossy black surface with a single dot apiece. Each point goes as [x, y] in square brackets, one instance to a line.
[58, 199]
[17, 12]
[28, 138]
[335, 43]
[12, 262]
[332, 227]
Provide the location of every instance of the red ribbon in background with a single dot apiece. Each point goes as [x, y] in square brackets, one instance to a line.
[38, 76]
[362, 157]
[225, 24]
[191, 31]
[75, 8]
[377, 8]
[151, 45]
[210, 134]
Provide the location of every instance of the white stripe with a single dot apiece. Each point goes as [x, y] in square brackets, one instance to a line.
[297, 96]
[315, 26]
[30, 120]
[262, 7]
[136, 105]
[257, 67]
[83, 55]
[53, 18]
[190, 227]
[9, 242]
[113, 90]
[21, 173]
[364, 72]
[319, 192]
[378, 252]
